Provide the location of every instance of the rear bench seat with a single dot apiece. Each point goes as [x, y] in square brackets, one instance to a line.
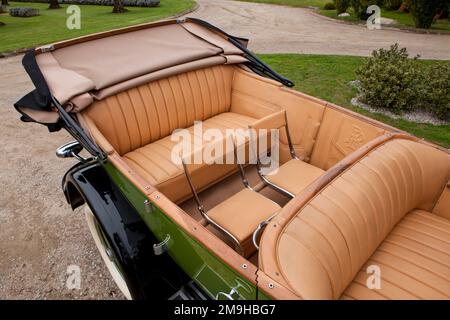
[380, 211]
[137, 124]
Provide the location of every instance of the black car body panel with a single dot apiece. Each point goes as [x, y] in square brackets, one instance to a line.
[147, 275]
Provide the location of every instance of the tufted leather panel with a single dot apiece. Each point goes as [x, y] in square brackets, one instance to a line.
[142, 115]
[339, 135]
[258, 97]
[323, 247]
[414, 261]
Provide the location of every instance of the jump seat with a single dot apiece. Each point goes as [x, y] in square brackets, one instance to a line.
[381, 213]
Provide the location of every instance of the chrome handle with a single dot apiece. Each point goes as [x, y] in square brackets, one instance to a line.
[228, 295]
[162, 247]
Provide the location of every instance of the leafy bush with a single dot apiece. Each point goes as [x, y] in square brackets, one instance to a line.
[388, 79]
[437, 99]
[341, 5]
[23, 12]
[392, 4]
[423, 11]
[329, 6]
[392, 81]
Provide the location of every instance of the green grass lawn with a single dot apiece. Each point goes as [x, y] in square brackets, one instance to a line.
[404, 19]
[328, 77]
[50, 26]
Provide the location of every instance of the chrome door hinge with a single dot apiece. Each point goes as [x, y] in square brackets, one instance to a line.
[48, 48]
[162, 247]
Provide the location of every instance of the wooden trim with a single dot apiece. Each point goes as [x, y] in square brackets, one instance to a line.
[130, 174]
[274, 289]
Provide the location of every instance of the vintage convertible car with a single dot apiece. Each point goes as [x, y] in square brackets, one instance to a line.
[356, 209]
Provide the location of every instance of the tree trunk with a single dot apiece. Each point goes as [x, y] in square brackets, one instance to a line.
[54, 4]
[118, 6]
[5, 3]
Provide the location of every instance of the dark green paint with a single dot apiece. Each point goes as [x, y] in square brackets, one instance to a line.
[206, 269]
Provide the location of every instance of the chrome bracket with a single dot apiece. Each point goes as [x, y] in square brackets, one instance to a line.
[229, 296]
[47, 48]
[148, 206]
[162, 247]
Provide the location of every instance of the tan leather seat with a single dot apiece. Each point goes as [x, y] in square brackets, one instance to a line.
[137, 124]
[242, 213]
[294, 175]
[414, 261]
[153, 161]
[376, 211]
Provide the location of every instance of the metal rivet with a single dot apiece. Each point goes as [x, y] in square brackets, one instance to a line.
[157, 196]
[274, 225]
[271, 285]
[277, 274]
[244, 266]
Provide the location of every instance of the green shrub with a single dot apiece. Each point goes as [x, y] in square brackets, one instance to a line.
[392, 4]
[329, 6]
[360, 7]
[391, 81]
[423, 11]
[341, 5]
[437, 91]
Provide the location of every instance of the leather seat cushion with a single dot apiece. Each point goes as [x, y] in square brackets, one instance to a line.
[414, 261]
[323, 245]
[295, 175]
[243, 212]
[153, 161]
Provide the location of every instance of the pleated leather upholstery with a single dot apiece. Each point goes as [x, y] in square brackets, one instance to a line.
[142, 115]
[323, 248]
[153, 161]
[414, 261]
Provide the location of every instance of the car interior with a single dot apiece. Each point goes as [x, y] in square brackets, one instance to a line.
[350, 192]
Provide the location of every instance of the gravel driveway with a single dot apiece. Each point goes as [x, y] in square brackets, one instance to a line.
[40, 236]
[280, 29]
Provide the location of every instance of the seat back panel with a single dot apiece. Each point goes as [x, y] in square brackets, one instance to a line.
[258, 97]
[339, 135]
[149, 112]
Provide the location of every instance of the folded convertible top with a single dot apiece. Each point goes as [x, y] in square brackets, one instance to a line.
[78, 71]
[70, 75]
